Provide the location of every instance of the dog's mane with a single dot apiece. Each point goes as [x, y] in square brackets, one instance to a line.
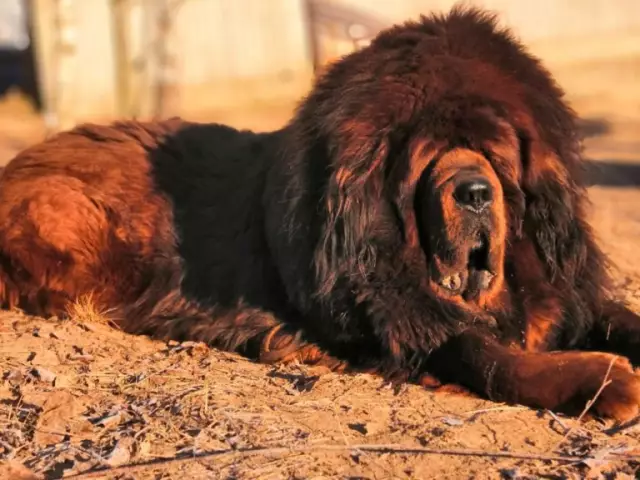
[429, 79]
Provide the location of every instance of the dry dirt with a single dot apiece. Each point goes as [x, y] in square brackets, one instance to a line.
[78, 395]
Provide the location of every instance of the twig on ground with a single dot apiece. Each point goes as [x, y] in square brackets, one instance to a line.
[370, 448]
[8, 449]
[590, 403]
[98, 458]
[474, 413]
[559, 421]
[630, 425]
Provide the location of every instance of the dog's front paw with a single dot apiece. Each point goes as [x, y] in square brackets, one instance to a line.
[572, 381]
[620, 396]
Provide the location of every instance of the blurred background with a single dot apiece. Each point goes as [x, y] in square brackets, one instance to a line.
[247, 62]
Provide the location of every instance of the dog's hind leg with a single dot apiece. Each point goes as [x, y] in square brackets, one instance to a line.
[50, 236]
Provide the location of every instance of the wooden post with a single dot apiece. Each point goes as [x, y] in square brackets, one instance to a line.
[165, 80]
[55, 33]
[119, 24]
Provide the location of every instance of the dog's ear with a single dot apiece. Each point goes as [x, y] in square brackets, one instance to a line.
[352, 197]
[555, 210]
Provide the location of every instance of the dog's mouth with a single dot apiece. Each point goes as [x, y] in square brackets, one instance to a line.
[476, 276]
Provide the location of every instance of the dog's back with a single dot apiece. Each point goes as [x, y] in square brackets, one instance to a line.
[131, 211]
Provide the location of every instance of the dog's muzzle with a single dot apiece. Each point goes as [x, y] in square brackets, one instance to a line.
[473, 196]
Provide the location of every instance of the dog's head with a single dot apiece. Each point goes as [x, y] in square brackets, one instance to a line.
[444, 137]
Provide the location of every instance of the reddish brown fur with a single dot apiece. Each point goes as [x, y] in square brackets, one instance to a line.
[542, 307]
[332, 240]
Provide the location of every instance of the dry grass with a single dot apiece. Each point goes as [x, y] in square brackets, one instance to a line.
[84, 310]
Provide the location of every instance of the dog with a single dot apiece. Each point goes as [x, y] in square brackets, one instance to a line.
[422, 217]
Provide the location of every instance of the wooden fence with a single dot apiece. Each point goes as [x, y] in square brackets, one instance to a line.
[146, 58]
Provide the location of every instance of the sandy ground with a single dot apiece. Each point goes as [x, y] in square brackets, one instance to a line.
[78, 394]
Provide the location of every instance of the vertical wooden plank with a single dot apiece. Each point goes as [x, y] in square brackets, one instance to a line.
[119, 10]
[42, 17]
[241, 52]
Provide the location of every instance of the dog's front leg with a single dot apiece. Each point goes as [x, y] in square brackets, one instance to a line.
[560, 381]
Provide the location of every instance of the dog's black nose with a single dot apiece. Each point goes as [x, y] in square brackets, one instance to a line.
[474, 194]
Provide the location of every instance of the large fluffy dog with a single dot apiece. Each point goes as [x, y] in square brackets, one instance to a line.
[422, 216]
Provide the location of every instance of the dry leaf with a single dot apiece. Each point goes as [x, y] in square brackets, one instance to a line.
[16, 471]
[121, 453]
[60, 412]
[452, 421]
[44, 375]
[109, 421]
